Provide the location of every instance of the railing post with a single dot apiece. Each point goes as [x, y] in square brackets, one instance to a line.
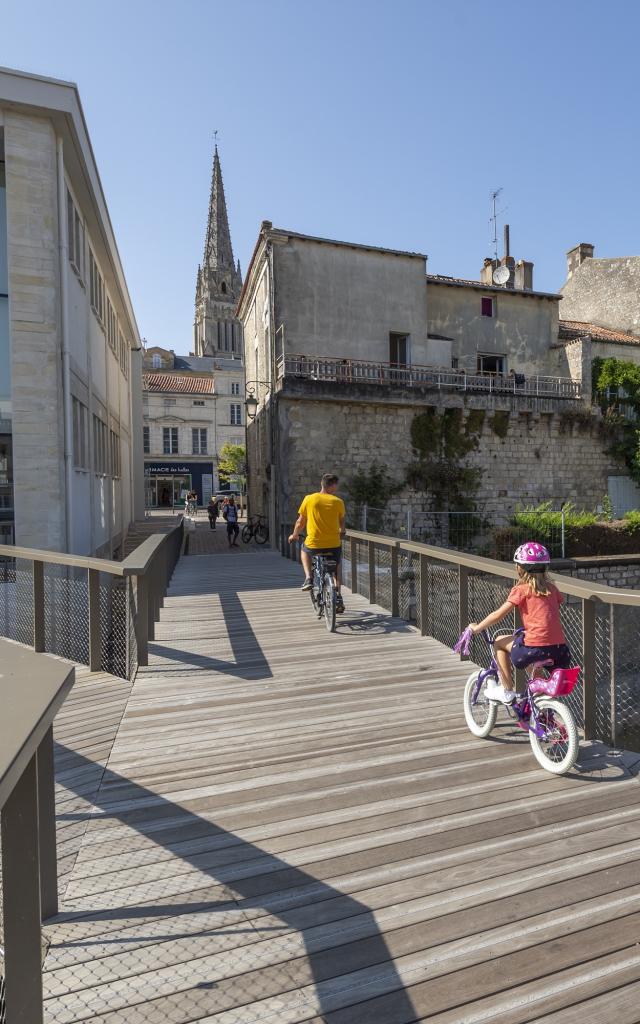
[95, 646]
[353, 555]
[142, 621]
[21, 901]
[371, 551]
[151, 603]
[612, 676]
[38, 606]
[395, 584]
[463, 600]
[47, 827]
[424, 595]
[589, 668]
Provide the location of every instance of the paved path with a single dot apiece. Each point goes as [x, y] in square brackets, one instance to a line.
[294, 826]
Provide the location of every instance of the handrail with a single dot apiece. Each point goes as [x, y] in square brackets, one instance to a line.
[32, 689]
[61, 558]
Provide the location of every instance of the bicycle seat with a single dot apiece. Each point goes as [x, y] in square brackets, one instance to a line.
[560, 683]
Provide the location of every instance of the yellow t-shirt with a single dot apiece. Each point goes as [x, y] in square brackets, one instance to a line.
[323, 513]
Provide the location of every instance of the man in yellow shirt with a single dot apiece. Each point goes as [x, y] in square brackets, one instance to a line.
[322, 515]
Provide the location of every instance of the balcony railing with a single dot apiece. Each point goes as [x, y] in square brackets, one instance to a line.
[90, 610]
[359, 371]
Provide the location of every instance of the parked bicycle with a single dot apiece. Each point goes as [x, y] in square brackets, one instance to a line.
[256, 529]
[551, 726]
[323, 592]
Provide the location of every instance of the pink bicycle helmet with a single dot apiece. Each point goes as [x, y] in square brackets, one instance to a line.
[532, 555]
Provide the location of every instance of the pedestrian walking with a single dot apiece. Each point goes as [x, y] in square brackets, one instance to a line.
[213, 511]
[230, 515]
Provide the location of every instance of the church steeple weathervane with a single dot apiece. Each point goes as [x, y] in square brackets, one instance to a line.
[219, 281]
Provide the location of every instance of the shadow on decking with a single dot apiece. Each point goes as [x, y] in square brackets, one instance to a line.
[249, 878]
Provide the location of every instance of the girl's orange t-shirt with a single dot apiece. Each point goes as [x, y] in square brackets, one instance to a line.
[540, 615]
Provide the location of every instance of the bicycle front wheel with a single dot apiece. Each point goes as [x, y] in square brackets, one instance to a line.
[329, 601]
[481, 715]
[246, 534]
[557, 749]
[262, 533]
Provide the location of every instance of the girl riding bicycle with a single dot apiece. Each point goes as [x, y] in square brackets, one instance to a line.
[539, 603]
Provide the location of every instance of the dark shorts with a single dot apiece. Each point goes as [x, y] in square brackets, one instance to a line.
[521, 655]
[335, 553]
[232, 528]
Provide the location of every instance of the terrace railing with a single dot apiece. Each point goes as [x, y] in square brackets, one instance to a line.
[94, 611]
[358, 371]
[32, 689]
[442, 590]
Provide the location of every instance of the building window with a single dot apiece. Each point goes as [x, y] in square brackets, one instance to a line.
[455, 362]
[491, 364]
[114, 455]
[146, 440]
[75, 232]
[198, 401]
[487, 305]
[223, 288]
[398, 349]
[156, 361]
[236, 415]
[80, 435]
[96, 288]
[112, 327]
[199, 440]
[123, 353]
[235, 387]
[99, 446]
[170, 440]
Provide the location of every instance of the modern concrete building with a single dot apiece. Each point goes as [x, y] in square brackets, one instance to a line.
[192, 406]
[70, 364]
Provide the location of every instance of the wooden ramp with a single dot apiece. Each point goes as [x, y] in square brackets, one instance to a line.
[296, 826]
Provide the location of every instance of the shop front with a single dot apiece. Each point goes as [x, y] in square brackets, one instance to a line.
[167, 484]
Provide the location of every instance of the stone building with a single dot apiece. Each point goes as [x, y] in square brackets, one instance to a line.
[70, 364]
[216, 329]
[605, 292]
[350, 343]
[192, 406]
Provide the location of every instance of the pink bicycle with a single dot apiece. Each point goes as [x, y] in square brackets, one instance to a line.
[551, 726]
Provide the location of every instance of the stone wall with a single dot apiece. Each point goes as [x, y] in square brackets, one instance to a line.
[604, 291]
[552, 455]
[609, 571]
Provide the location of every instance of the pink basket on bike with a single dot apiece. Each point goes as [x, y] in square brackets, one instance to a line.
[560, 683]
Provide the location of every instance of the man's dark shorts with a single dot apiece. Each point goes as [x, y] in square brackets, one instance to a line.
[335, 553]
[521, 655]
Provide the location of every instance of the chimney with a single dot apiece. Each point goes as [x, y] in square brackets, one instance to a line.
[524, 275]
[578, 255]
[488, 267]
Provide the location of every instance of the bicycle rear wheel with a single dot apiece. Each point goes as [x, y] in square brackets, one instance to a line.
[262, 533]
[329, 601]
[247, 533]
[557, 749]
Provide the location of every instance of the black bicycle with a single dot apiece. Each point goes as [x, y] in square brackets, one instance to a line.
[256, 528]
[324, 596]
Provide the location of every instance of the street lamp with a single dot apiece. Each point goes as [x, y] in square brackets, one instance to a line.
[251, 399]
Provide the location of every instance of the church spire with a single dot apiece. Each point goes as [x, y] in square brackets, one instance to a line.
[218, 254]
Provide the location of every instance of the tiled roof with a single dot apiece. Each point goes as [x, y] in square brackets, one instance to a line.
[174, 382]
[463, 282]
[577, 328]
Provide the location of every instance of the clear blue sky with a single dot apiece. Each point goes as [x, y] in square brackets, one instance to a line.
[384, 122]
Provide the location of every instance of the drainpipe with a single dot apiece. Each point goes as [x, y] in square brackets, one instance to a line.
[63, 256]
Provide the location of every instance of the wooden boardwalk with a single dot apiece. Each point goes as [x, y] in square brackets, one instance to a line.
[294, 826]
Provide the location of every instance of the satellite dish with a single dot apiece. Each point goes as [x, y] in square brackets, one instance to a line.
[501, 275]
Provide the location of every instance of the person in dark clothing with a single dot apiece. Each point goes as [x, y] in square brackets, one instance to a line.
[213, 512]
[230, 515]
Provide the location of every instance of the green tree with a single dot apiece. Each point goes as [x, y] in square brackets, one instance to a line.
[232, 464]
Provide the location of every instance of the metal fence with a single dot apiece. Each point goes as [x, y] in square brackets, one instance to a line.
[479, 532]
[93, 611]
[440, 591]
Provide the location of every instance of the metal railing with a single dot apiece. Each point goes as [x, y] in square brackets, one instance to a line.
[90, 610]
[359, 371]
[29, 878]
[442, 590]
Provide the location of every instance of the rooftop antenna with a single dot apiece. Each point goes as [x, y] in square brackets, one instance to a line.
[494, 220]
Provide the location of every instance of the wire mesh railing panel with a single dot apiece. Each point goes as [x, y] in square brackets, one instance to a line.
[603, 671]
[408, 585]
[114, 613]
[443, 599]
[571, 616]
[66, 612]
[486, 593]
[383, 577]
[625, 705]
[362, 554]
[16, 600]
[132, 642]
[347, 577]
